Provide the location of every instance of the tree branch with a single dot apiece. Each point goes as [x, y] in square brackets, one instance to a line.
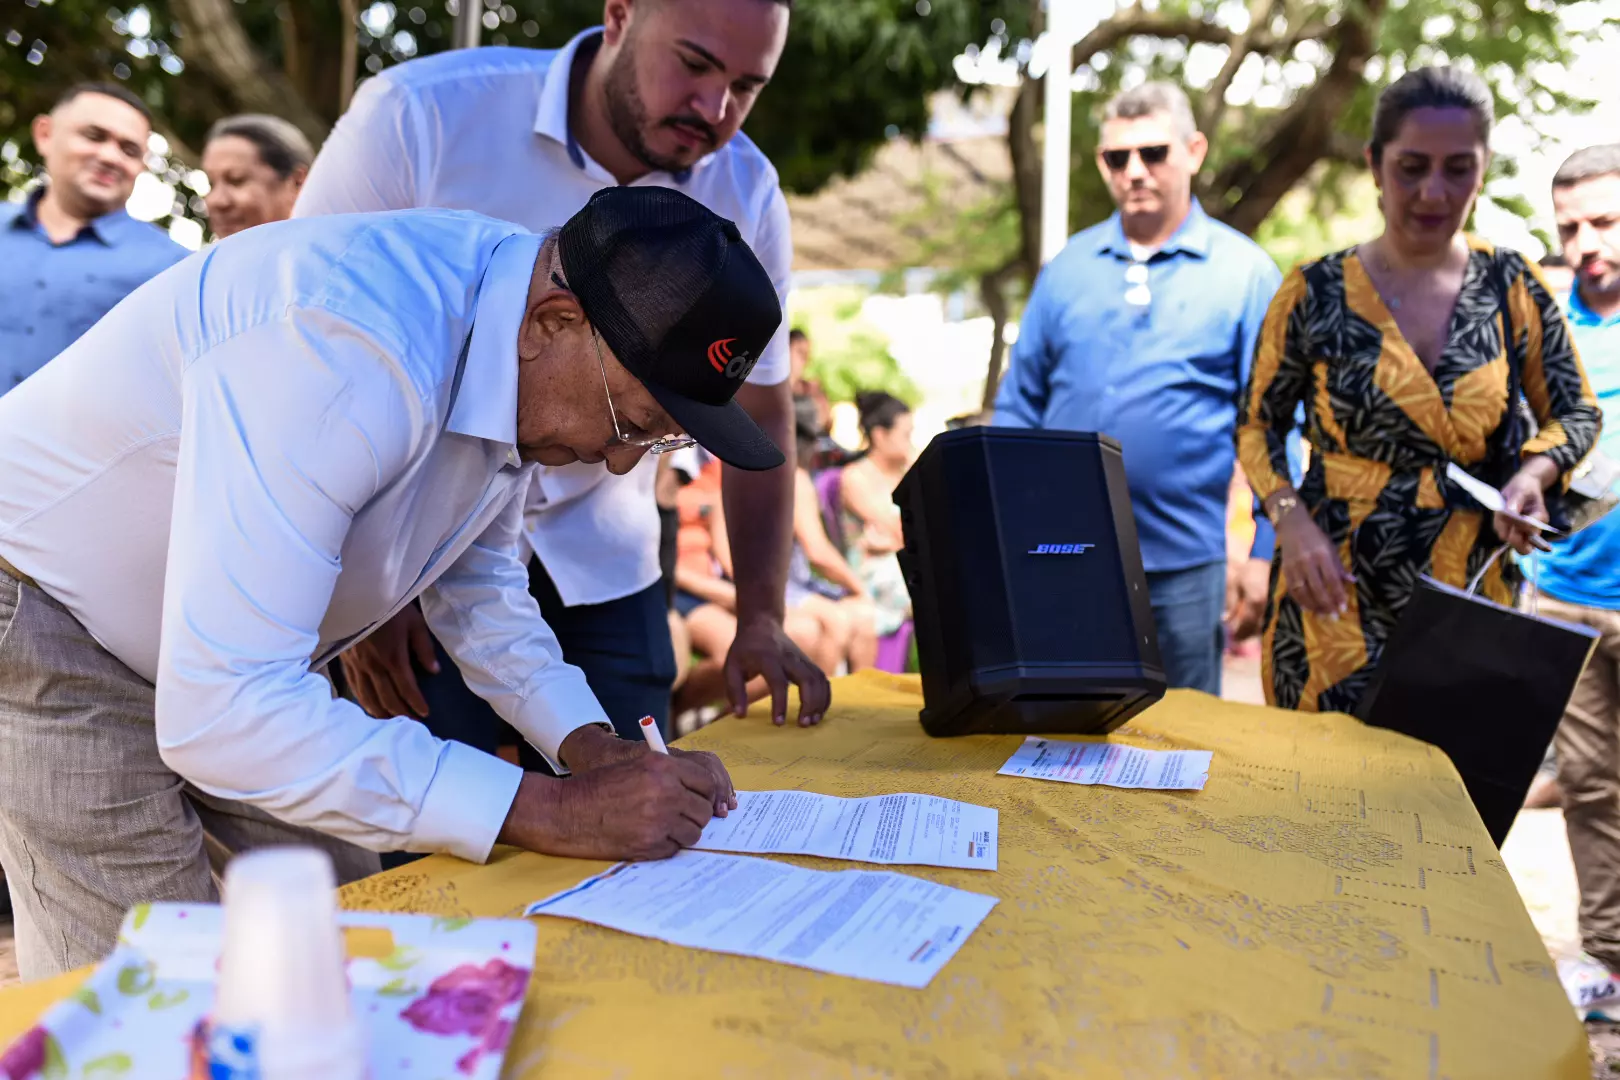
[1346, 149]
[224, 49]
[1214, 102]
[1134, 21]
[1303, 133]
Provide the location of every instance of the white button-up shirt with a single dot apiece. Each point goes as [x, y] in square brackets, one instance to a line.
[265, 452]
[487, 130]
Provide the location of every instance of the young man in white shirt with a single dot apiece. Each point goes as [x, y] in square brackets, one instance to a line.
[654, 97]
[294, 434]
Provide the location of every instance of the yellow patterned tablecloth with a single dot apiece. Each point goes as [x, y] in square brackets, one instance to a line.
[1330, 906]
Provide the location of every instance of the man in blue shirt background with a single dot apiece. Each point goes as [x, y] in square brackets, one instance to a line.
[1579, 581]
[70, 251]
[1143, 328]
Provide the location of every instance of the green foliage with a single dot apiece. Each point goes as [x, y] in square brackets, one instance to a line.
[1510, 42]
[855, 72]
[849, 354]
[1324, 217]
[964, 243]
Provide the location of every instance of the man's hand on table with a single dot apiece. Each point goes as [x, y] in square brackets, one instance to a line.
[378, 669]
[623, 801]
[763, 648]
[589, 748]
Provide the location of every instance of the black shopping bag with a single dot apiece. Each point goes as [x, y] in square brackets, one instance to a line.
[1484, 683]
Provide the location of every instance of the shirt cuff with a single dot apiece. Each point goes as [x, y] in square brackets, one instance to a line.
[561, 708]
[466, 804]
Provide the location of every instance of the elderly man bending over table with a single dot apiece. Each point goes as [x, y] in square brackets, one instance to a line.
[263, 454]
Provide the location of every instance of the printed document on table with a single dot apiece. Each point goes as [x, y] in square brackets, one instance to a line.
[921, 830]
[1112, 764]
[867, 924]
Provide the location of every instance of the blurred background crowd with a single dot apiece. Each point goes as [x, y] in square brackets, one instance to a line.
[1219, 152]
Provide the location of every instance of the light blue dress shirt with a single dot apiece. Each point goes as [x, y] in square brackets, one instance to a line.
[257, 458]
[52, 293]
[1156, 356]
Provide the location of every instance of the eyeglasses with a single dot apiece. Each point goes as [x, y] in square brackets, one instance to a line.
[653, 444]
[1151, 155]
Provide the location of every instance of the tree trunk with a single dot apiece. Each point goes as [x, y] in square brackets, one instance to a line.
[224, 50]
[350, 53]
[1026, 160]
[1247, 190]
[993, 293]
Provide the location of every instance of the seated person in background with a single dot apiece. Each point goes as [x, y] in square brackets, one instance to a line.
[255, 166]
[838, 600]
[804, 388]
[706, 598]
[867, 492]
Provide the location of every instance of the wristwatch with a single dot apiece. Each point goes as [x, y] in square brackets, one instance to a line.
[1281, 506]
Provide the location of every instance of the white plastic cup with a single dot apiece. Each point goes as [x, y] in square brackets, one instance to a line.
[282, 1010]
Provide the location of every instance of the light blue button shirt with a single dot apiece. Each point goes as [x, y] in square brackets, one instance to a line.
[1585, 569]
[52, 293]
[1155, 355]
[259, 457]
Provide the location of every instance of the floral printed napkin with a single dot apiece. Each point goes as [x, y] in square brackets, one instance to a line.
[439, 997]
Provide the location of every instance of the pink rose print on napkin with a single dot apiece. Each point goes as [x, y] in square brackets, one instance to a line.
[469, 1001]
[26, 1058]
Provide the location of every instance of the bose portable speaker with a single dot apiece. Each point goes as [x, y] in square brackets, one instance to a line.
[1030, 601]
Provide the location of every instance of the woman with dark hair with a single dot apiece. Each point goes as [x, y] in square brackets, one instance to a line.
[1395, 348]
[867, 492]
[255, 165]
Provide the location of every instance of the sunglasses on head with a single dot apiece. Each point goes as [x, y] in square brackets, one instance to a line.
[1151, 155]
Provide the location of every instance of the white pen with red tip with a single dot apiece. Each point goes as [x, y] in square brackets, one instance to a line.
[655, 738]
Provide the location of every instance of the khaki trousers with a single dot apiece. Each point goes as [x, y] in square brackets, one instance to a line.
[91, 820]
[1588, 747]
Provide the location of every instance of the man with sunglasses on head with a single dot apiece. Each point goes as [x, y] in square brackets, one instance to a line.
[298, 432]
[655, 96]
[1143, 328]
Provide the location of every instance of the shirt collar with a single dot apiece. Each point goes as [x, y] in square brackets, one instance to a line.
[1581, 315]
[1190, 238]
[551, 119]
[110, 228]
[487, 393]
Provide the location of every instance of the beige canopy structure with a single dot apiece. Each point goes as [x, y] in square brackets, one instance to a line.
[875, 220]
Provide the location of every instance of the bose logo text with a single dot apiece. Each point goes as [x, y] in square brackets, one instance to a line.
[1061, 549]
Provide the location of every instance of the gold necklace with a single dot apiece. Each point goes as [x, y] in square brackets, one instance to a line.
[1394, 299]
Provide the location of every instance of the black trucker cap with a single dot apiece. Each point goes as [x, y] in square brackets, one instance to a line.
[683, 303]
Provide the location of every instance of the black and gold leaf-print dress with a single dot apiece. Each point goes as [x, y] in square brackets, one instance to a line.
[1382, 430]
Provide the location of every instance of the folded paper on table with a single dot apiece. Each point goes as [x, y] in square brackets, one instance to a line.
[867, 924]
[920, 830]
[437, 997]
[1111, 764]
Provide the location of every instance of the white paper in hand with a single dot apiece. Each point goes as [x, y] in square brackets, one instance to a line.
[867, 924]
[1110, 764]
[921, 830]
[1490, 498]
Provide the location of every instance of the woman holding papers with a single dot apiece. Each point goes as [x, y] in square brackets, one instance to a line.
[1395, 350]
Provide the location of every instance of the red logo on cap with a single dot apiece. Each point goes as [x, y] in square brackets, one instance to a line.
[720, 353]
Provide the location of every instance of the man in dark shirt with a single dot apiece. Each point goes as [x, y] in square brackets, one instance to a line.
[70, 251]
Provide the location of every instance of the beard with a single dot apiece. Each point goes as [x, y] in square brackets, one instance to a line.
[627, 114]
